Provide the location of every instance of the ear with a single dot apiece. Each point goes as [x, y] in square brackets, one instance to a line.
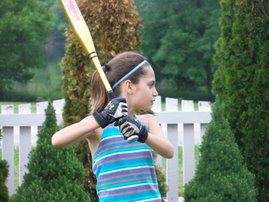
[128, 87]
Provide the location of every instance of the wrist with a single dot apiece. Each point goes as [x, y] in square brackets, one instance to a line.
[100, 119]
[143, 137]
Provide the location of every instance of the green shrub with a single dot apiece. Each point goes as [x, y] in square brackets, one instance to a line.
[3, 176]
[54, 174]
[241, 81]
[221, 174]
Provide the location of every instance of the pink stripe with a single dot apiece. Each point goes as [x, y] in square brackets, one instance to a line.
[122, 173]
[133, 190]
[116, 140]
[143, 154]
[126, 175]
[127, 180]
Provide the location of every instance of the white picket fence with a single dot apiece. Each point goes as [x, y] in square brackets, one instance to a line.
[183, 127]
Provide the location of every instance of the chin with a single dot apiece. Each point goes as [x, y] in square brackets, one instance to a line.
[147, 110]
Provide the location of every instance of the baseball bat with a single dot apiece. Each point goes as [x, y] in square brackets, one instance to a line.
[83, 33]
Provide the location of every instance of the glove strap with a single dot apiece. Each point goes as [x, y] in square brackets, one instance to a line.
[143, 137]
[99, 119]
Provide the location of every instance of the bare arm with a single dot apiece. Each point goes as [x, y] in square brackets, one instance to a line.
[74, 132]
[157, 140]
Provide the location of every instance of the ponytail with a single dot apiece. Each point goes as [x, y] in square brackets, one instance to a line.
[99, 98]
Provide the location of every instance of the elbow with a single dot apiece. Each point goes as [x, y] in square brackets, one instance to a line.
[55, 142]
[170, 154]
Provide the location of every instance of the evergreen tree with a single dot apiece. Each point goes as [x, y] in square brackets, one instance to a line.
[221, 174]
[242, 82]
[24, 30]
[3, 177]
[54, 174]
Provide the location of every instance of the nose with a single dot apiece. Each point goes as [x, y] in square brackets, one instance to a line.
[155, 92]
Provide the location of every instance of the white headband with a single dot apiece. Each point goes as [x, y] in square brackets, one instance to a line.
[129, 74]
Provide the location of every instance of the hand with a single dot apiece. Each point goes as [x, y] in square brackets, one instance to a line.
[130, 126]
[114, 110]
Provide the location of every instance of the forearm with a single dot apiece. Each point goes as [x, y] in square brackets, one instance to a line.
[160, 145]
[74, 132]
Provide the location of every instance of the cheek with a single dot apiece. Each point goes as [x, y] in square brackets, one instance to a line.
[143, 93]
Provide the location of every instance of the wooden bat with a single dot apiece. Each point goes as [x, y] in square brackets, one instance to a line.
[83, 33]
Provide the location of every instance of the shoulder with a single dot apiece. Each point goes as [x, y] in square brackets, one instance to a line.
[148, 119]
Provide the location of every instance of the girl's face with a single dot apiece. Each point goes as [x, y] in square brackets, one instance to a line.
[143, 93]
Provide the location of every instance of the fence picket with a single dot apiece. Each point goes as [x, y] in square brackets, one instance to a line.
[41, 106]
[24, 142]
[172, 165]
[8, 146]
[188, 152]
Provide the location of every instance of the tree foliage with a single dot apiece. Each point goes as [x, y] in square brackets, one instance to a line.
[113, 25]
[4, 197]
[3, 177]
[221, 174]
[24, 28]
[179, 39]
[54, 174]
[242, 81]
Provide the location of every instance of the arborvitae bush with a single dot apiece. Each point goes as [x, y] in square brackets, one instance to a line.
[3, 176]
[241, 81]
[54, 174]
[221, 174]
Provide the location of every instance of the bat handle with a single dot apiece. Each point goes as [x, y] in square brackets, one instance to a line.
[111, 94]
[132, 139]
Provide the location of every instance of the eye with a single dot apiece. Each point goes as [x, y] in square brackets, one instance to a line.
[152, 84]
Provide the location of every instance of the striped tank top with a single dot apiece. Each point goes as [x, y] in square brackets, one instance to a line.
[125, 172]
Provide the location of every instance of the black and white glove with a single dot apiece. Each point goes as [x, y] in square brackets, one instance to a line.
[114, 110]
[132, 129]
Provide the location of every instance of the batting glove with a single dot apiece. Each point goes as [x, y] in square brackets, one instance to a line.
[114, 110]
[131, 126]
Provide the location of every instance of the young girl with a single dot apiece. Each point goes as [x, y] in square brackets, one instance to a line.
[124, 171]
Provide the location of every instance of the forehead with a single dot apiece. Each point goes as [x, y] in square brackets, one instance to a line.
[149, 72]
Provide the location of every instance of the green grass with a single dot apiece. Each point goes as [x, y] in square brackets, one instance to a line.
[16, 165]
[45, 84]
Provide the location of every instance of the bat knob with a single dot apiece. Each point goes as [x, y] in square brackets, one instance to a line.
[132, 139]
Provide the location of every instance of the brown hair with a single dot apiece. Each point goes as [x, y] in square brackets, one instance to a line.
[115, 69]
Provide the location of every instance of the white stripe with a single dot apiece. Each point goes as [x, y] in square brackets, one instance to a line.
[111, 136]
[152, 199]
[124, 169]
[130, 186]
